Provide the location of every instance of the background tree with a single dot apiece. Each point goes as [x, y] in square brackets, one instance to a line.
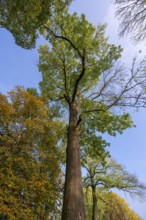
[132, 16]
[107, 175]
[78, 72]
[30, 164]
[110, 207]
[117, 208]
[23, 19]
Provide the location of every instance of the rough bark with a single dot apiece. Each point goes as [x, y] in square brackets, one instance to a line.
[94, 207]
[73, 204]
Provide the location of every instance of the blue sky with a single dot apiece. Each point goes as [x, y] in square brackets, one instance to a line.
[19, 67]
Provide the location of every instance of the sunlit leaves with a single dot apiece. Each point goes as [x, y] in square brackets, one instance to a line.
[71, 38]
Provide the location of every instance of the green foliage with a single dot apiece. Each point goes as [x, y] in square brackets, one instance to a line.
[93, 147]
[78, 69]
[32, 91]
[61, 64]
[102, 175]
[109, 175]
[30, 163]
[24, 18]
[72, 66]
[107, 122]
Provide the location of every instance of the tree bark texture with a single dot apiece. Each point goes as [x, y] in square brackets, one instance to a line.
[94, 207]
[73, 203]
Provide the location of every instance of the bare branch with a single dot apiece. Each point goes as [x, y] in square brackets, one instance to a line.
[119, 88]
[132, 16]
[56, 100]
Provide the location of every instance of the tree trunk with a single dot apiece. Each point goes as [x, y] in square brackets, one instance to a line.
[73, 203]
[94, 207]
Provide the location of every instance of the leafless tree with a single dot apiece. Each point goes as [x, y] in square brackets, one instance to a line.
[132, 16]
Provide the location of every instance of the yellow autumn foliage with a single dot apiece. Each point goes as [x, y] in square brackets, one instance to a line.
[30, 160]
[110, 206]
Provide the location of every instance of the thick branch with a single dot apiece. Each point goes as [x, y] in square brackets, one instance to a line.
[65, 76]
[67, 99]
[79, 120]
[63, 38]
[79, 78]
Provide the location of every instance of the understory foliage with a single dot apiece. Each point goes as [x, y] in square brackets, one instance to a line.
[110, 207]
[30, 165]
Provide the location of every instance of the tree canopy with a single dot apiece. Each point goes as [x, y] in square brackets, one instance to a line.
[30, 163]
[24, 18]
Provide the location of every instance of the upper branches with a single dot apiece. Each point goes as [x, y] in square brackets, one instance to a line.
[80, 67]
[78, 54]
[119, 88]
[65, 38]
[81, 75]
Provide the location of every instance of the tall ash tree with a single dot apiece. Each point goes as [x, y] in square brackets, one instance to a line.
[80, 76]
